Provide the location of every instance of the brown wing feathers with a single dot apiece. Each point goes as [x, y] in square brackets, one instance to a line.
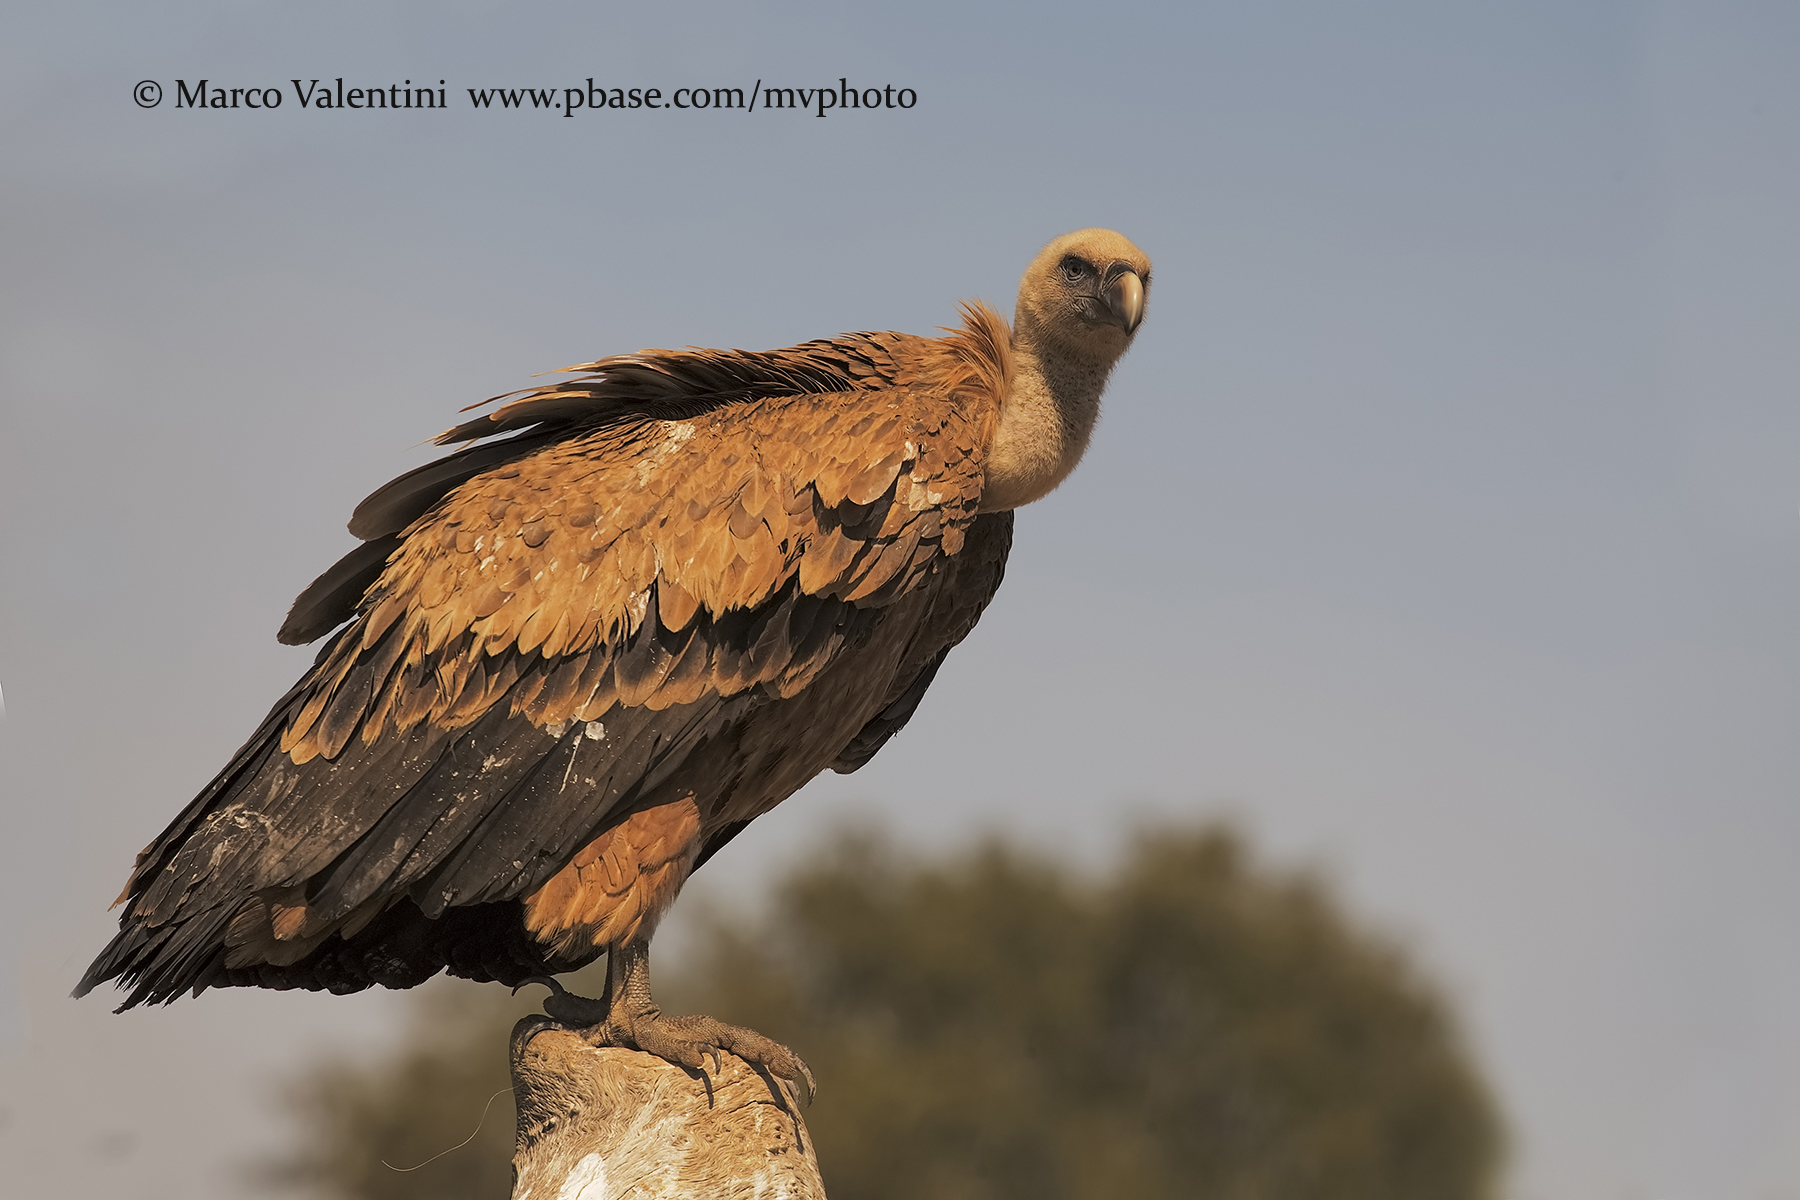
[955, 609]
[547, 629]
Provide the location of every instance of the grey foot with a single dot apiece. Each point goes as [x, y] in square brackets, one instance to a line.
[689, 1041]
[627, 1019]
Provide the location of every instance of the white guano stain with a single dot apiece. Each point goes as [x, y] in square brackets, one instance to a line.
[678, 432]
[586, 1181]
[570, 770]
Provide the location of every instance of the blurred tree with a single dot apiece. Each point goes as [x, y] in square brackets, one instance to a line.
[359, 1121]
[995, 1026]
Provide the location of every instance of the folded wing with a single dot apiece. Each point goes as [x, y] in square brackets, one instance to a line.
[551, 631]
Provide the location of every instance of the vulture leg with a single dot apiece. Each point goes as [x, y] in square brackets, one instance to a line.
[627, 1016]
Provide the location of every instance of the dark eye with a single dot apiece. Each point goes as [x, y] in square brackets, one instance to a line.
[1075, 270]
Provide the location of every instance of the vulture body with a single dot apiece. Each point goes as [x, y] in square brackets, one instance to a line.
[636, 611]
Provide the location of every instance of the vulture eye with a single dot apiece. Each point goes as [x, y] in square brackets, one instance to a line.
[1075, 270]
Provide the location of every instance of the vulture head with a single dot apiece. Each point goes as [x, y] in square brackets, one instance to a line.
[1080, 302]
[1084, 295]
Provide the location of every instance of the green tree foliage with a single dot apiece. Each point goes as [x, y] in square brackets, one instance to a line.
[997, 1026]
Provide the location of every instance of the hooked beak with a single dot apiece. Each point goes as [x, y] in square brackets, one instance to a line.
[1124, 298]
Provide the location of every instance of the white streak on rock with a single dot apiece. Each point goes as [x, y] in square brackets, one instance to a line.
[586, 1181]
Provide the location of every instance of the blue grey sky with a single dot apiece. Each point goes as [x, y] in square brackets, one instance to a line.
[1441, 529]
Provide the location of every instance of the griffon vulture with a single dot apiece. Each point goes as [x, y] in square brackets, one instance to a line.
[637, 610]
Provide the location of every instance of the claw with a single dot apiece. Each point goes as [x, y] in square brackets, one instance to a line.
[556, 989]
[566, 1006]
[809, 1089]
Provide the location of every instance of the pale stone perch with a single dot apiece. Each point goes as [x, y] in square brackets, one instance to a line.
[606, 1124]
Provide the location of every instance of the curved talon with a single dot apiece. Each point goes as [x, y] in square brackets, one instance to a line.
[556, 989]
[810, 1088]
[566, 1006]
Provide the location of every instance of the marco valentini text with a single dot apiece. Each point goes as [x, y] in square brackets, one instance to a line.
[314, 94]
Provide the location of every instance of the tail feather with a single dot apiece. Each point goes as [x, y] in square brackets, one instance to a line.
[400, 948]
[158, 963]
